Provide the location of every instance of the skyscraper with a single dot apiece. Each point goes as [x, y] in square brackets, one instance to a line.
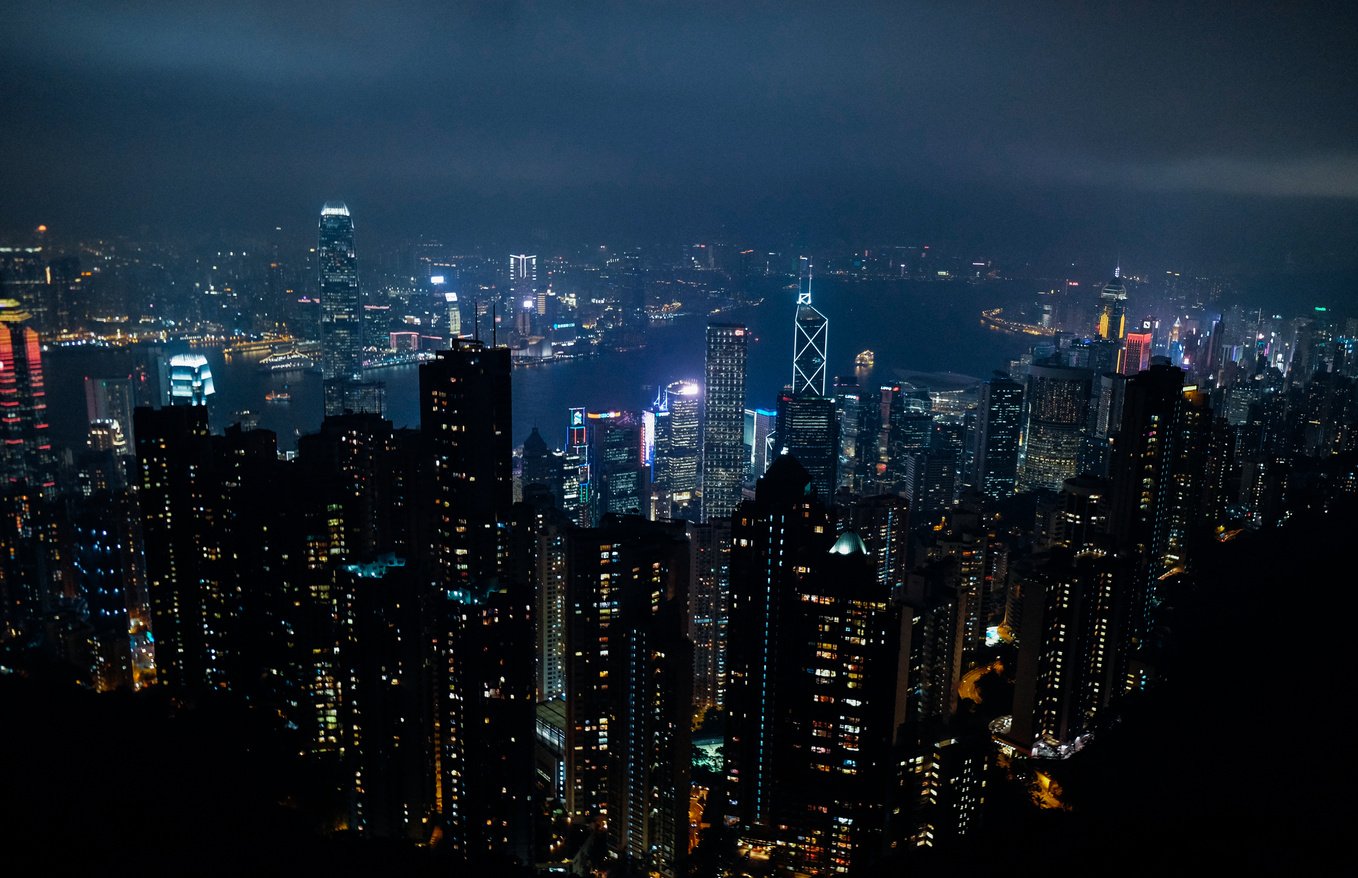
[629, 695]
[724, 457]
[1056, 406]
[810, 341]
[341, 306]
[480, 626]
[110, 399]
[1137, 356]
[1113, 308]
[808, 429]
[808, 424]
[773, 540]
[190, 380]
[465, 416]
[25, 449]
[998, 426]
[677, 451]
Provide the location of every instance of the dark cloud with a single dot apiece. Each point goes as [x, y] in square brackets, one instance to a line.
[473, 118]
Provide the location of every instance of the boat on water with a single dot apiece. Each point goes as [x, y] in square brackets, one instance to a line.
[865, 360]
[287, 361]
[278, 396]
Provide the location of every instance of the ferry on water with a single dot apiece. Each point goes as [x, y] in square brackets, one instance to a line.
[865, 360]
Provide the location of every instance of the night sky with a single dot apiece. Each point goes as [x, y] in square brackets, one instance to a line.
[1162, 129]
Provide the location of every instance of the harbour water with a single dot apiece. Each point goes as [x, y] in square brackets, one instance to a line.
[912, 327]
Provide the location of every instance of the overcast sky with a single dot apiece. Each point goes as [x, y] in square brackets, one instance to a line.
[1132, 126]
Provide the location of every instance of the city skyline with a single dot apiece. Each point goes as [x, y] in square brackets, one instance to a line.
[666, 441]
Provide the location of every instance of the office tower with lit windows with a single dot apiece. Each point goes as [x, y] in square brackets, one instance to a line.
[1112, 312]
[930, 481]
[810, 341]
[523, 273]
[909, 427]
[999, 425]
[25, 447]
[341, 304]
[675, 431]
[25, 280]
[849, 417]
[1055, 419]
[629, 693]
[808, 424]
[537, 562]
[724, 455]
[618, 471]
[809, 431]
[1136, 356]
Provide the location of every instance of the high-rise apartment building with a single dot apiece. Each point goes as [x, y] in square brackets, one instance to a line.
[629, 694]
[724, 455]
[465, 418]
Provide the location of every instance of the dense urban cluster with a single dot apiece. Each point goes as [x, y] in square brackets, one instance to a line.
[705, 637]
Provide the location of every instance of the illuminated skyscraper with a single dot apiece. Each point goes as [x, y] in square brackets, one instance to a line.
[341, 306]
[1113, 308]
[523, 272]
[999, 425]
[810, 341]
[809, 431]
[808, 424]
[25, 449]
[724, 455]
[190, 380]
[629, 693]
[677, 450]
[481, 625]
[1056, 406]
[1137, 356]
[465, 415]
[813, 703]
